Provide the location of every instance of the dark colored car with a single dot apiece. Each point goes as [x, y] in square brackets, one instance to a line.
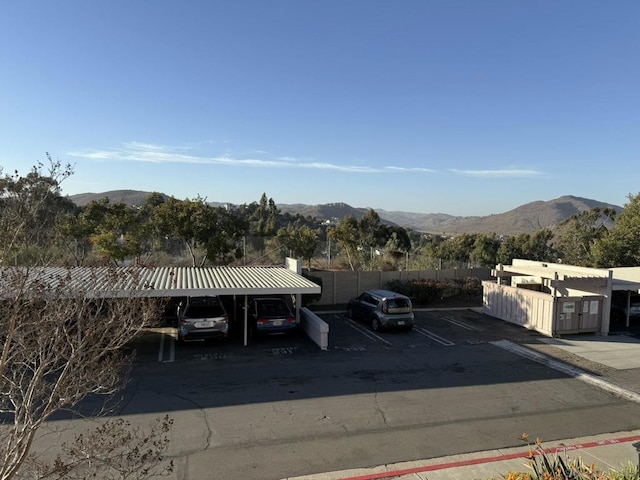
[202, 318]
[382, 309]
[271, 315]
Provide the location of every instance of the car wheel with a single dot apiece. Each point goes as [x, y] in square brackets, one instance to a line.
[375, 324]
[350, 313]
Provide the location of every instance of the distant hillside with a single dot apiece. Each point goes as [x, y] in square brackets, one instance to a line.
[332, 211]
[528, 218]
[327, 210]
[130, 197]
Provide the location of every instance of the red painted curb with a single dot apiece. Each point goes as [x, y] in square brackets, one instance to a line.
[498, 458]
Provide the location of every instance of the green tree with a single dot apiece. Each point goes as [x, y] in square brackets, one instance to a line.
[576, 236]
[223, 236]
[346, 234]
[30, 205]
[529, 247]
[397, 245]
[428, 251]
[485, 250]
[300, 241]
[186, 220]
[457, 248]
[73, 237]
[371, 236]
[208, 233]
[396, 238]
[264, 217]
[370, 231]
[512, 247]
[116, 234]
[621, 247]
[539, 247]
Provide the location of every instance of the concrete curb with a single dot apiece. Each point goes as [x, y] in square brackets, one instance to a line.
[568, 369]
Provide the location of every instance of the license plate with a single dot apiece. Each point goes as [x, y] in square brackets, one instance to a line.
[400, 322]
[276, 323]
[205, 324]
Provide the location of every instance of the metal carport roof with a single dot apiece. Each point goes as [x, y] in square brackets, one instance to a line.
[170, 281]
[626, 278]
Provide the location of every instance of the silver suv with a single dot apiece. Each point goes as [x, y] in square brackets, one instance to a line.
[202, 318]
[382, 309]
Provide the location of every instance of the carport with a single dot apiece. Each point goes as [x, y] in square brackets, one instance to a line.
[626, 279]
[163, 282]
[556, 299]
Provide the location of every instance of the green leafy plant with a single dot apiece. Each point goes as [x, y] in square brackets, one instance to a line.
[429, 291]
[557, 465]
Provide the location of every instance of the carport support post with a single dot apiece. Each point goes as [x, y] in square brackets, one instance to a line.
[626, 320]
[606, 307]
[246, 312]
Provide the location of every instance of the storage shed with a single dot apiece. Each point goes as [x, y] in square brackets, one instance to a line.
[556, 299]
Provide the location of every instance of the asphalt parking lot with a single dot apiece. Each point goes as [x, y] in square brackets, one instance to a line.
[434, 329]
[282, 407]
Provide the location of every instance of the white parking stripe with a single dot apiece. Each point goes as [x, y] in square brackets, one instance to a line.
[433, 336]
[172, 348]
[161, 351]
[460, 323]
[367, 333]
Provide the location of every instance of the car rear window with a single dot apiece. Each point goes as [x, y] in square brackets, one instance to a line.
[272, 307]
[204, 311]
[398, 305]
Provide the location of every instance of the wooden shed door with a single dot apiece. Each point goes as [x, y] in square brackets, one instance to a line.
[591, 314]
[579, 314]
[568, 320]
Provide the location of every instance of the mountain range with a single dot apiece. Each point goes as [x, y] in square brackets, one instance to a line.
[527, 218]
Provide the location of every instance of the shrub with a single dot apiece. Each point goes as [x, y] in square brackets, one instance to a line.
[424, 292]
[553, 465]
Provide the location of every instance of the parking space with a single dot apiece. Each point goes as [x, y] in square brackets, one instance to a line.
[433, 329]
[161, 345]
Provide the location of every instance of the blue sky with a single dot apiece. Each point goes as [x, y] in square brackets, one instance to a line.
[461, 107]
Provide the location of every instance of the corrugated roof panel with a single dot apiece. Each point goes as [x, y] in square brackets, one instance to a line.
[174, 281]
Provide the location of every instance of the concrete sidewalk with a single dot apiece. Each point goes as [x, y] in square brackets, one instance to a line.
[611, 363]
[606, 452]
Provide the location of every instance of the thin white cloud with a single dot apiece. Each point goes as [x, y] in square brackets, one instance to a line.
[504, 173]
[146, 147]
[410, 169]
[152, 153]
